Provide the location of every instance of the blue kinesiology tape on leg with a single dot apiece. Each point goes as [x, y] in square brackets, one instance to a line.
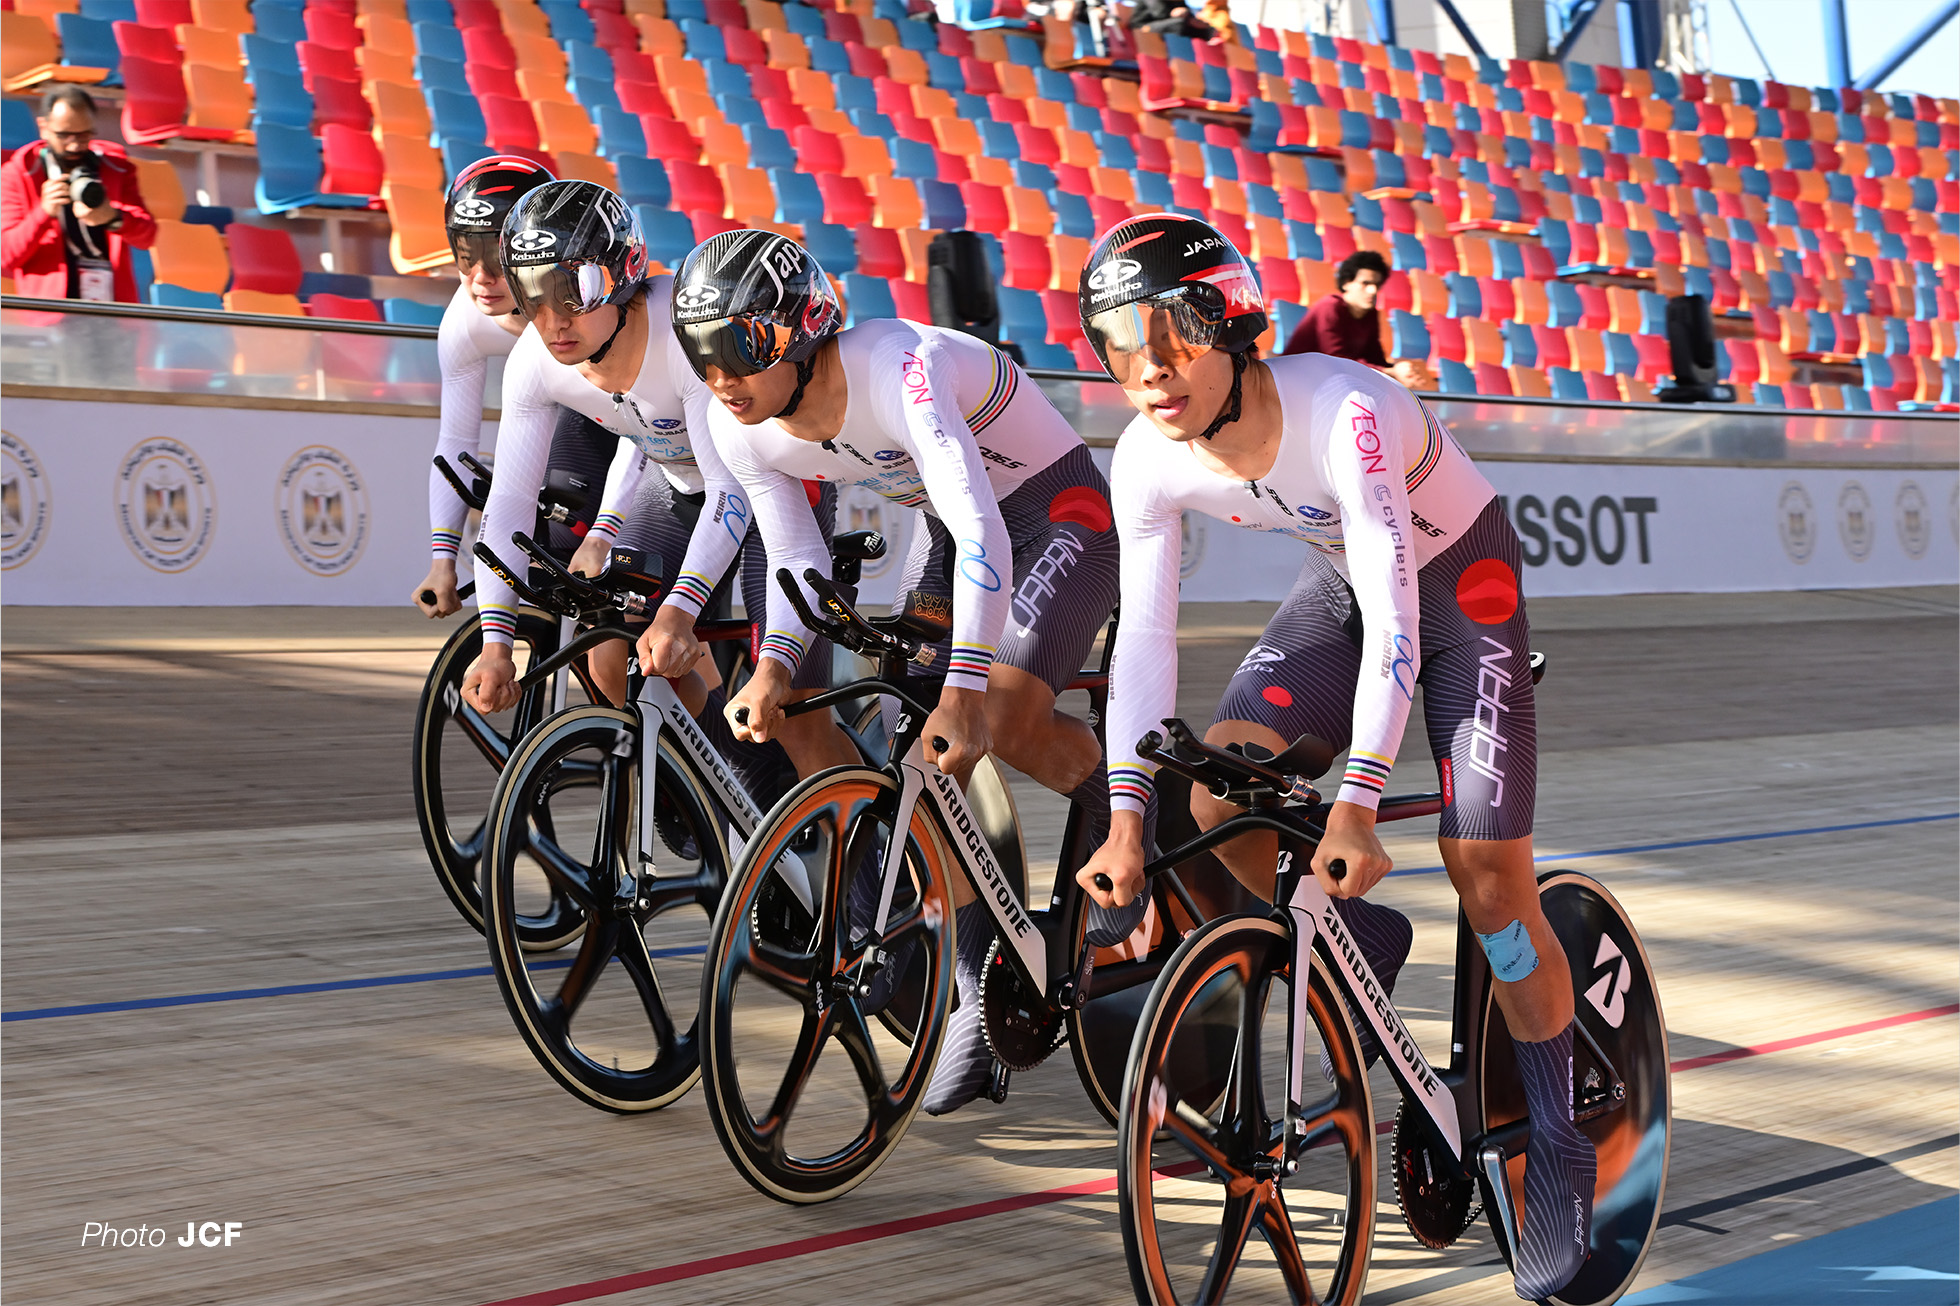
[1511, 955]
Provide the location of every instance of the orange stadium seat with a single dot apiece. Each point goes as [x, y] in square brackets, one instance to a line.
[214, 49]
[162, 191]
[259, 301]
[29, 55]
[190, 255]
[576, 166]
[418, 241]
[399, 110]
[386, 65]
[564, 126]
[408, 161]
[218, 100]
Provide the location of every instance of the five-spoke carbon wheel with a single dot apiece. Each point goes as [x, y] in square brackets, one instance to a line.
[790, 977]
[1616, 1004]
[615, 1024]
[457, 755]
[1203, 1164]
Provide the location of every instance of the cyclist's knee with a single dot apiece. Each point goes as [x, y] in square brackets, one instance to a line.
[1208, 810]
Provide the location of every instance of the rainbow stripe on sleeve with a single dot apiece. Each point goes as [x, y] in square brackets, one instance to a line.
[1000, 393]
[1368, 770]
[1432, 449]
[970, 660]
[784, 647]
[691, 588]
[1136, 782]
[498, 620]
[609, 522]
[445, 543]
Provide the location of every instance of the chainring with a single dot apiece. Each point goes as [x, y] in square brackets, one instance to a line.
[1429, 1187]
[1021, 1028]
[779, 919]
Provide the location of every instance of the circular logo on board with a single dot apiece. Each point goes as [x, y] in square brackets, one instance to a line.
[859, 509]
[1796, 522]
[165, 504]
[1193, 555]
[1855, 525]
[323, 510]
[1914, 520]
[24, 505]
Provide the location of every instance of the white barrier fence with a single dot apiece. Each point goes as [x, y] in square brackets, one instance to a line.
[140, 504]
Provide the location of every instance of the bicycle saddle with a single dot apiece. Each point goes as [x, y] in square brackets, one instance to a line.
[1307, 757]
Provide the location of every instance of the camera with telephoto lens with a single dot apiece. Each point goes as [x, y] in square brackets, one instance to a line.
[84, 178]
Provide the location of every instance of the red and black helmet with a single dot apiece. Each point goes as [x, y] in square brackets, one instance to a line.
[1181, 264]
[480, 198]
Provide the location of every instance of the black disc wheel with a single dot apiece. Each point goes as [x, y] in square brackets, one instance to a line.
[1217, 1203]
[1621, 1089]
[809, 1093]
[614, 1024]
[458, 753]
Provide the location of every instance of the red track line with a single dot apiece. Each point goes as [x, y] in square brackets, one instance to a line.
[1047, 1196]
[1804, 1040]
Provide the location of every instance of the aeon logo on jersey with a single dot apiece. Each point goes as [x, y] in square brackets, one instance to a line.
[1113, 276]
[913, 372]
[1368, 441]
[530, 242]
[474, 209]
[692, 297]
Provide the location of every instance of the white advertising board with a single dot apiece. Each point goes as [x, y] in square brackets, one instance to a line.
[136, 504]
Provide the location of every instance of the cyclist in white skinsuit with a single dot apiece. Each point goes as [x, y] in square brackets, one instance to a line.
[482, 323]
[1016, 531]
[1412, 577]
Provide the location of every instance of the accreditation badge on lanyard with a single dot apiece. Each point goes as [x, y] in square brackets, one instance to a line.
[95, 280]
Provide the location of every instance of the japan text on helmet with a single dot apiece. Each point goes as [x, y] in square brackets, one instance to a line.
[747, 300]
[1173, 280]
[573, 245]
[479, 200]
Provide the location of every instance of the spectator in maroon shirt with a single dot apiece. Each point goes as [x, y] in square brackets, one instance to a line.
[1346, 324]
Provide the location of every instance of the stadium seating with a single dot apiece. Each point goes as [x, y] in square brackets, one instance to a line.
[1536, 216]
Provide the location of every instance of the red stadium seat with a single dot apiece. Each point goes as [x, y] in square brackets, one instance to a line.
[263, 259]
[339, 306]
[352, 163]
[317, 61]
[880, 253]
[696, 188]
[509, 123]
[845, 203]
[911, 299]
[669, 140]
[326, 27]
[1027, 259]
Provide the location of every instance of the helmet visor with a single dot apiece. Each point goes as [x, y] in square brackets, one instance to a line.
[474, 249]
[1172, 329]
[573, 289]
[739, 346]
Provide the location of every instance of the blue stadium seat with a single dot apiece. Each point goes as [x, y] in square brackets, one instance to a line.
[264, 53]
[1286, 316]
[1024, 50]
[917, 37]
[409, 312]
[1857, 399]
[1653, 314]
[568, 21]
[1153, 188]
[1082, 118]
[1454, 378]
[669, 235]
[870, 122]
[281, 98]
[1466, 297]
[1409, 336]
[1508, 259]
[165, 295]
[594, 94]
[461, 117]
[1769, 396]
[1219, 162]
[1034, 176]
[1021, 314]
[997, 139]
[1622, 356]
[854, 92]
[17, 125]
[703, 40]
[1117, 152]
[943, 72]
[1263, 201]
[726, 79]
[431, 11]
[826, 55]
[439, 41]
[643, 181]
[1303, 241]
[459, 154]
[945, 206]
[692, 10]
[109, 11]
[1367, 213]
[1566, 383]
[1054, 86]
[1520, 346]
[279, 23]
[797, 198]
[913, 160]
[1325, 174]
[1406, 253]
[289, 168]
[832, 246]
[1041, 354]
[803, 20]
[432, 73]
[586, 60]
[867, 298]
[769, 148]
[1073, 216]
[1877, 369]
[619, 133]
[1563, 298]
[208, 215]
[335, 283]
[143, 268]
[89, 43]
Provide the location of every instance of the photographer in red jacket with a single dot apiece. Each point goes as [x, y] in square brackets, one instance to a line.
[71, 209]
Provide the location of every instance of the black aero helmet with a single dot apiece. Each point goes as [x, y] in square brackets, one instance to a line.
[479, 199]
[747, 300]
[573, 245]
[1179, 267]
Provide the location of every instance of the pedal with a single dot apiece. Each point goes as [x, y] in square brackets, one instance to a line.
[997, 1081]
[1498, 1187]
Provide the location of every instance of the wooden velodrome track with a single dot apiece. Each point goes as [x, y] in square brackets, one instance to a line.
[203, 802]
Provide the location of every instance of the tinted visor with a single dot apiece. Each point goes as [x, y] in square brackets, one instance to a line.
[475, 249]
[1173, 328]
[573, 289]
[739, 346]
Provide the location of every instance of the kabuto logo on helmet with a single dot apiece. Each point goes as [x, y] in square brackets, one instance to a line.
[533, 242]
[473, 209]
[694, 297]
[1114, 276]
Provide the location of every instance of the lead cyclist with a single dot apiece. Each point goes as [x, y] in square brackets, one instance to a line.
[1015, 530]
[481, 323]
[1410, 577]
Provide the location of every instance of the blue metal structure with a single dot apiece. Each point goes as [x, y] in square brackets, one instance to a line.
[1907, 48]
[1837, 44]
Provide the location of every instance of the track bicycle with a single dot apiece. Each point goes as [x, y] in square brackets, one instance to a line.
[834, 923]
[452, 740]
[566, 823]
[1220, 1139]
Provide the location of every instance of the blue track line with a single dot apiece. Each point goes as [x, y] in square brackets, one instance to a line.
[478, 972]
